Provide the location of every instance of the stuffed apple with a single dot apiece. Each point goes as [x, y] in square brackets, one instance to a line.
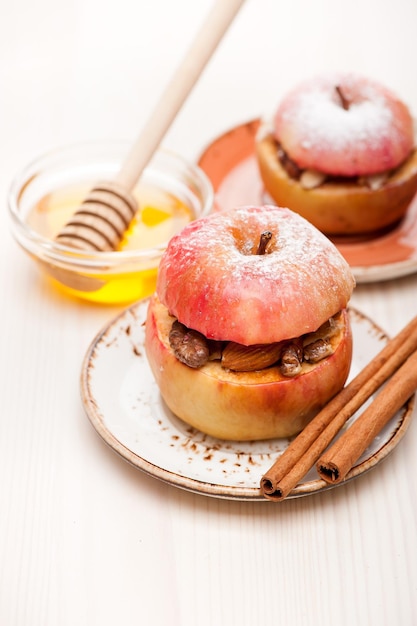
[248, 335]
[340, 151]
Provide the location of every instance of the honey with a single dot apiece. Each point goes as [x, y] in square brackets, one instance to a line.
[161, 214]
[44, 195]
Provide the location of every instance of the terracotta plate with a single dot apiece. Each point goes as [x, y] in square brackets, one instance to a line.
[230, 163]
[123, 403]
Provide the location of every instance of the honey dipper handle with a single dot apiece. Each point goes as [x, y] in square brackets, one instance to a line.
[177, 90]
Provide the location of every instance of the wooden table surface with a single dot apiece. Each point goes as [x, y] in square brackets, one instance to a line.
[86, 539]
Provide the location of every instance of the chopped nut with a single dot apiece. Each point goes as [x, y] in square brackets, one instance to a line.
[291, 359]
[318, 350]
[241, 358]
[326, 331]
[194, 349]
[288, 164]
[189, 346]
[376, 181]
[310, 179]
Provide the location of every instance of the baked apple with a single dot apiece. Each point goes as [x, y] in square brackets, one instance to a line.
[247, 334]
[340, 152]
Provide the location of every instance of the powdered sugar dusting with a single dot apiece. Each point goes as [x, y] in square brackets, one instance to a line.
[227, 291]
[344, 124]
[328, 123]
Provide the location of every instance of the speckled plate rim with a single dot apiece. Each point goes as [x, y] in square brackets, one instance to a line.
[374, 272]
[135, 315]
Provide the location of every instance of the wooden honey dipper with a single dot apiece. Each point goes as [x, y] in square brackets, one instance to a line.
[105, 214]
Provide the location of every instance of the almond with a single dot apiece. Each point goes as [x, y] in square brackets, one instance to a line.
[376, 181]
[310, 179]
[241, 358]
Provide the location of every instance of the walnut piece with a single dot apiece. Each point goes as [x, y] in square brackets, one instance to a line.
[326, 331]
[288, 164]
[317, 350]
[189, 346]
[291, 359]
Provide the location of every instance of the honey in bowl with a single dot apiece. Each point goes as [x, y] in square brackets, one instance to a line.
[160, 216]
[170, 193]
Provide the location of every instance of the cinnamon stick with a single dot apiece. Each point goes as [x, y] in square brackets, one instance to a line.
[309, 445]
[341, 457]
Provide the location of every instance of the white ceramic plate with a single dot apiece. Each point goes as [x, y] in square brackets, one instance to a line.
[124, 405]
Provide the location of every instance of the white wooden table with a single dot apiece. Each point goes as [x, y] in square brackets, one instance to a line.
[85, 539]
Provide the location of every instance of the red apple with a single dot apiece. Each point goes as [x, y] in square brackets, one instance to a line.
[216, 282]
[212, 280]
[341, 154]
[344, 125]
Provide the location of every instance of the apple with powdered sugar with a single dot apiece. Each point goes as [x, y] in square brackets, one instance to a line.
[248, 335]
[341, 153]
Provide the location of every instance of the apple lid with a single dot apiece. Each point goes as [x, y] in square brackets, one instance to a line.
[212, 279]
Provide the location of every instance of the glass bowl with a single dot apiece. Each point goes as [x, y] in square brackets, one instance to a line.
[171, 192]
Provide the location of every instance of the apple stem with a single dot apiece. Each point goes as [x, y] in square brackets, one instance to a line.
[264, 240]
[345, 102]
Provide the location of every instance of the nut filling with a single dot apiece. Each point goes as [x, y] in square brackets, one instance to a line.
[310, 179]
[194, 349]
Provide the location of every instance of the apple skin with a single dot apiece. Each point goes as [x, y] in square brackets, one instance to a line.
[211, 279]
[375, 134]
[342, 208]
[246, 405]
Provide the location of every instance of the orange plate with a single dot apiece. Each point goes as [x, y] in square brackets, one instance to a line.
[230, 163]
